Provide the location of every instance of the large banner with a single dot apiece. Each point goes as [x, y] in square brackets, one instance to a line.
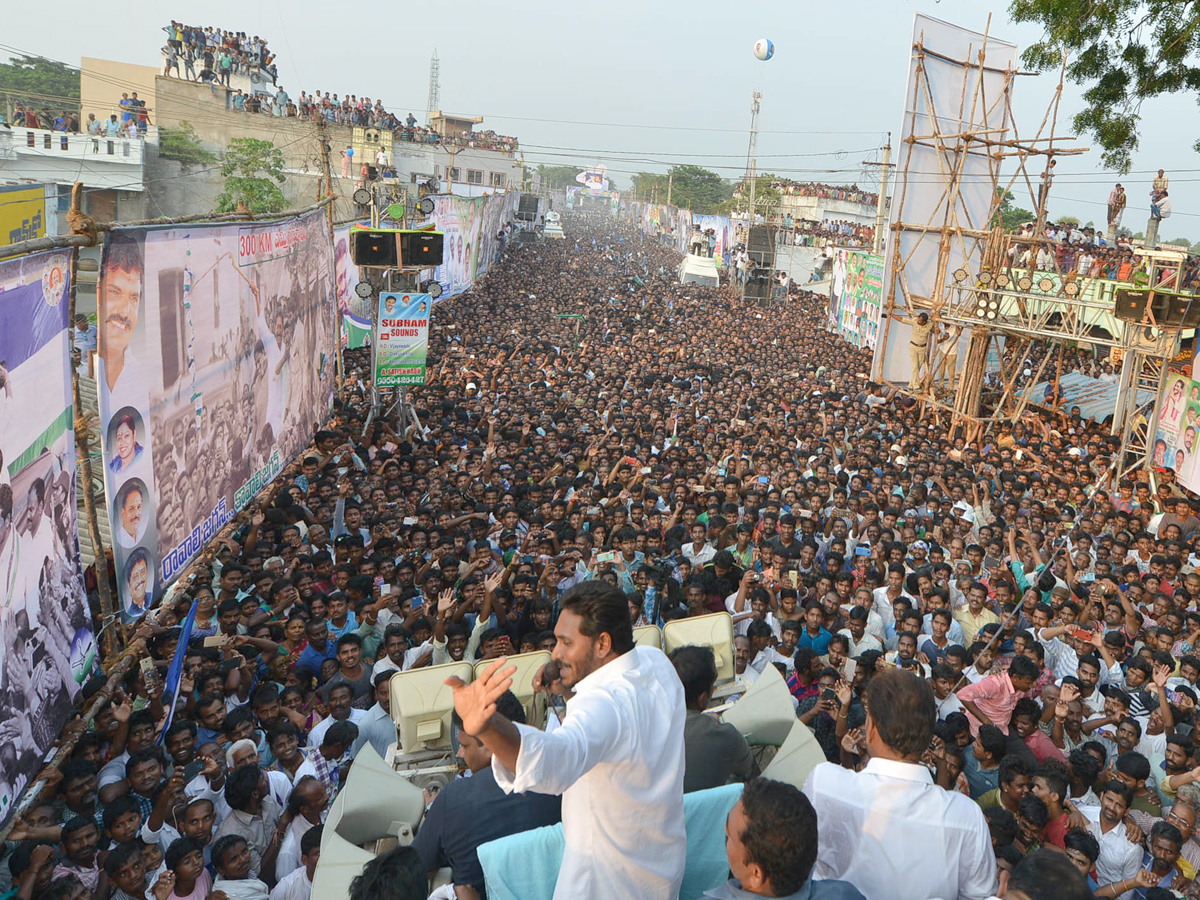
[722, 228]
[402, 339]
[497, 212]
[955, 76]
[472, 227]
[355, 311]
[459, 218]
[855, 296]
[1178, 424]
[48, 647]
[216, 361]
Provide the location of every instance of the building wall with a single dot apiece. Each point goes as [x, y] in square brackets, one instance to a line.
[216, 125]
[102, 81]
[818, 209]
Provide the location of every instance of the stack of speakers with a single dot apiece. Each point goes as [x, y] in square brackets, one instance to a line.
[527, 208]
[1160, 308]
[760, 247]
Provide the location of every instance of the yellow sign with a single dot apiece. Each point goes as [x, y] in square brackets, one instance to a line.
[22, 213]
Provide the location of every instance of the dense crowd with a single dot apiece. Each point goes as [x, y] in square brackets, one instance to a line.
[219, 52]
[1082, 251]
[1023, 631]
[816, 234]
[851, 193]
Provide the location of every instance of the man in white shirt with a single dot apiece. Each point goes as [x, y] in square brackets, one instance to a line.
[889, 830]
[309, 800]
[617, 760]
[1119, 859]
[297, 885]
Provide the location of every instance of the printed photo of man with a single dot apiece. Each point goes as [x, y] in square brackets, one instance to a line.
[119, 301]
[131, 499]
[137, 583]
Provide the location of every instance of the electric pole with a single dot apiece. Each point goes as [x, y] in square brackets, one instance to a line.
[881, 200]
[670, 185]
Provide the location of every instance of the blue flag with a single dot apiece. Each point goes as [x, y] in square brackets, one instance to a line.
[175, 670]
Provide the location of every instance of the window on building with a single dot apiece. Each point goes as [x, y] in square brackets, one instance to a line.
[497, 179]
[455, 174]
[474, 176]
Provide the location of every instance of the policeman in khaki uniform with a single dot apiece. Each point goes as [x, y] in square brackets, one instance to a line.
[918, 344]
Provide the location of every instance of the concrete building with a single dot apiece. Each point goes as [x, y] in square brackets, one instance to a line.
[49, 162]
[803, 202]
[455, 162]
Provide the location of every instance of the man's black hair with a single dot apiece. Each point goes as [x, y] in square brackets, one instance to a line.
[222, 846]
[1001, 824]
[781, 833]
[1048, 875]
[396, 875]
[697, 670]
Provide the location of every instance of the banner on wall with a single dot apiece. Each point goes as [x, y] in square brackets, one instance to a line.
[1178, 425]
[722, 229]
[216, 359]
[22, 213]
[401, 339]
[472, 227]
[48, 648]
[355, 311]
[856, 296]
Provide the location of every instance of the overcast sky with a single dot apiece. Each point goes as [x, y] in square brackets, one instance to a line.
[638, 84]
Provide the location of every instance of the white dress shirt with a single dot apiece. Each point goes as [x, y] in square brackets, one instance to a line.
[1119, 858]
[617, 760]
[318, 732]
[294, 886]
[891, 832]
[288, 858]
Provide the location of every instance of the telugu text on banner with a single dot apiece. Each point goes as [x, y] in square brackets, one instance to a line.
[401, 339]
[216, 363]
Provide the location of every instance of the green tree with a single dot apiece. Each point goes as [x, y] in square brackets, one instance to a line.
[698, 189]
[649, 185]
[183, 145]
[555, 178]
[766, 195]
[1123, 52]
[1008, 216]
[253, 171]
[1069, 221]
[40, 82]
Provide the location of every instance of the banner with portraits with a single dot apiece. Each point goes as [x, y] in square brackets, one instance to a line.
[472, 227]
[48, 647]
[402, 339]
[1175, 437]
[459, 219]
[355, 311]
[216, 362]
[856, 296]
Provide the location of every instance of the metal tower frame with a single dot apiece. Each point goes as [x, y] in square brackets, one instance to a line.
[435, 89]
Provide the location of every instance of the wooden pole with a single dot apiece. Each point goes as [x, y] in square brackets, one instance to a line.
[83, 444]
[323, 142]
